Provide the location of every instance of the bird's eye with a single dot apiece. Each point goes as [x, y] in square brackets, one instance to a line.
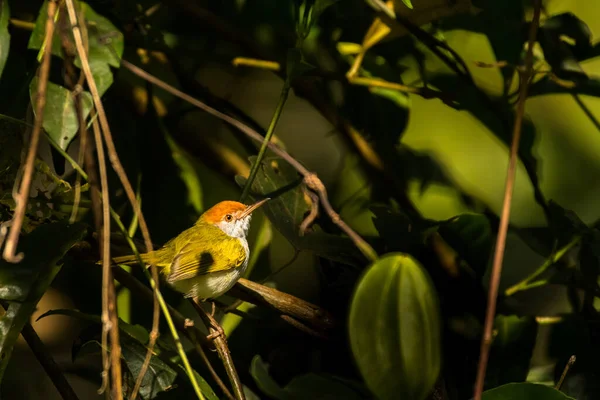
[228, 217]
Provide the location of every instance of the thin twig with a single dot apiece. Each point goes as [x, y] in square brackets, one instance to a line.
[50, 366]
[263, 147]
[526, 283]
[312, 215]
[311, 179]
[570, 363]
[220, 343]
[118, 168]
[108, 321]
[23, 196]
[486, 341]
[255, 63]
[211, 369]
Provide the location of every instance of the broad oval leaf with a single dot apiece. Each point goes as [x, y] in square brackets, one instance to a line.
[395, 331]
[4, 35]
[524, 391]
[60, 118]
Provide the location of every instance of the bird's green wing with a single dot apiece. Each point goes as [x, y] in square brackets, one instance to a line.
[203, 256]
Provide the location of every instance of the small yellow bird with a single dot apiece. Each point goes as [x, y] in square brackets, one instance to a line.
[207, 259]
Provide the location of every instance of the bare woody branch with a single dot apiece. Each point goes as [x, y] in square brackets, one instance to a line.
[22, 197]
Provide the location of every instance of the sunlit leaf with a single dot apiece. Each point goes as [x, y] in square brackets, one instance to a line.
[188, 173]
[288, 207]
[4, 35]
[408, 4]
[60, 118]
[524, 391]
[22, 285]
[395, 328]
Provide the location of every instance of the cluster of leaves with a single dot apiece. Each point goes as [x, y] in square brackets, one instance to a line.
[410, 322]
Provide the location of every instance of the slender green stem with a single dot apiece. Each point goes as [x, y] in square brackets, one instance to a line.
[527, 284]
[161, 301]
[263, 148]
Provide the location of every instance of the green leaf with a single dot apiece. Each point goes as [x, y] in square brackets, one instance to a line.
[187, 171]
[4, 35]
[308, 386]
[524, 391]
[38, 35]
[470, 235]
[106, 42]
[395, 328]
[288, 207]
[511, 350]
[60, 117]
[22, 285]
[158, 378]
[497, 117]
[408, 4]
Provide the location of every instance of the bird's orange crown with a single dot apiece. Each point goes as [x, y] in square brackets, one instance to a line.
[216, 213]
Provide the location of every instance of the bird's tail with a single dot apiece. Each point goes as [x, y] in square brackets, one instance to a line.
[131, 259]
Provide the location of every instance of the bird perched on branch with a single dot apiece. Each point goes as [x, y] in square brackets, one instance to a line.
[207, 259]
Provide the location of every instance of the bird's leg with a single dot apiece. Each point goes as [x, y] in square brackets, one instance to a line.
[214, 324]
[209, 320]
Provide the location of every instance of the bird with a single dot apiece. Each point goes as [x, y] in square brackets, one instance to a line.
[207, 259]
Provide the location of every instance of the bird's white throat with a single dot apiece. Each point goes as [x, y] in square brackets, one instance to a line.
[237, 228]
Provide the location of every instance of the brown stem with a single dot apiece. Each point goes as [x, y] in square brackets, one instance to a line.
[23, 196]
[214, 374]
[220, 343]
[118, 168]
[50, 366]
[311, 179]
[110, 322]
[283, 303]
[486, 341]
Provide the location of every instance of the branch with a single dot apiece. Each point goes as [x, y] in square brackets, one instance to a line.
[505, 216]
[23, 196]
[283, 303]
[220, 343]
[311, 179]
[118, 168]
[50, 366]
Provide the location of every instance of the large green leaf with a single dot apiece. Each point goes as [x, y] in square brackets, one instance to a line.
[22, 285]
[288, 207]
[308, 386]
[105, 44]
[395, 328]
[160, 375]
[4, 35]
[60, 117]
[524, 391]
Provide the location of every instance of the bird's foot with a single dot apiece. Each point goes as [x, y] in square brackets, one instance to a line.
[215, 327]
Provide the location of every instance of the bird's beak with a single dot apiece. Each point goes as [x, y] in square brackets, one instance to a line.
[253, 207]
